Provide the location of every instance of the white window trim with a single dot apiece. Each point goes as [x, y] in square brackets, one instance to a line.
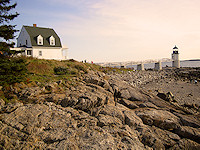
[40, 40]
[52, 41]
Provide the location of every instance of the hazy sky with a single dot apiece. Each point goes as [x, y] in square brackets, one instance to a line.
[116, 30]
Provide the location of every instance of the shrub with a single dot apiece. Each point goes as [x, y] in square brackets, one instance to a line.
[81, 68]
[12, 70]
[73, 72]
[60, 70]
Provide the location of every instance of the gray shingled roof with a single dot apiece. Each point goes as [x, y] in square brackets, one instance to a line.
[46, 33]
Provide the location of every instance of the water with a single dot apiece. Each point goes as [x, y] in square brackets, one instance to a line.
[185, 63]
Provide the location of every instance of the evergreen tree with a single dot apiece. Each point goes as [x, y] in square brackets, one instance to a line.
[6, 31]
[12, 69]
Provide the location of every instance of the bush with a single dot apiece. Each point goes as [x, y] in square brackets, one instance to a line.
[65, 71]
[60, 70]
[81, 68]
[73, 71]
[12, 70]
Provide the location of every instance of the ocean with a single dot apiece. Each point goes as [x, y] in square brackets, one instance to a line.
[183, 63]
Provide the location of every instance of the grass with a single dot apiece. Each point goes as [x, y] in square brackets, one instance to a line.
[47, 70]
[41, 71]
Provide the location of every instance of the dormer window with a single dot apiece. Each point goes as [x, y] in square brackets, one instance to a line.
[40, 40]
[52, 41]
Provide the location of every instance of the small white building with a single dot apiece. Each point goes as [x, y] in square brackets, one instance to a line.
[140, 66]
[42, 43]
[175, 58]
[158, 66]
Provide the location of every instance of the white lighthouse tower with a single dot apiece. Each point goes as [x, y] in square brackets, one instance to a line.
[175, 58]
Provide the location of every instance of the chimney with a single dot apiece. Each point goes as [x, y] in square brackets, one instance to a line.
[34, 25]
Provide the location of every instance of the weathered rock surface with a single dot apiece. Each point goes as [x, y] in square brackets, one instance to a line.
[99, 113]
[159, 118]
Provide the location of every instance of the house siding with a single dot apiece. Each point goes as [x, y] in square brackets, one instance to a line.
[48, 53]
[23, 37]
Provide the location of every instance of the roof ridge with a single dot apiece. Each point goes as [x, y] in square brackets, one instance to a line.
[37, 27]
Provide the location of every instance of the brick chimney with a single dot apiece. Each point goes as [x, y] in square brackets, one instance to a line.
[34, 25]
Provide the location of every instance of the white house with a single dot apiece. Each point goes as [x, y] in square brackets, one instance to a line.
[42, 43]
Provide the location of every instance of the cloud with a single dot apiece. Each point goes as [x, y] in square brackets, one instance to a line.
[113, 16]
[134, 28]
[118, 30]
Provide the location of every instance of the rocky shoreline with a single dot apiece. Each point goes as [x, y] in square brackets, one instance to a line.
[103, 111]
[180, 82]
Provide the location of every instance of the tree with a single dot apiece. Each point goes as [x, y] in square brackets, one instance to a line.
[12, 69]
[6, 31]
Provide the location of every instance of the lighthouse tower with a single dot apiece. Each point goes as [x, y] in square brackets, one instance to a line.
[175, 58]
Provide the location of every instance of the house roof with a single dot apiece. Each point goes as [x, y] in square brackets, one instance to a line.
[46, 33]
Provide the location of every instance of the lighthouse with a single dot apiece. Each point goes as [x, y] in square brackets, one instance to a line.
[175, 58]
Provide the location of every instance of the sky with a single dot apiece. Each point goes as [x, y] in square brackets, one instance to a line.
[116, 30]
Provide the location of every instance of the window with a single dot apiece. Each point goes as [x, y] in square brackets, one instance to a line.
[26, 42]
[52, 41]
[40, 40]
[40, 53]
[29, 52]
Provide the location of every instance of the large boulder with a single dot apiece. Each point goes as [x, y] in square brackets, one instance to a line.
[168, 138]
[98, 78]
[106, 120]
[87, 97]
[189, 120]
[166, 96]
[160, 118]
[189, 132]
[127, 91]
[132, 120]
[113, 111]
